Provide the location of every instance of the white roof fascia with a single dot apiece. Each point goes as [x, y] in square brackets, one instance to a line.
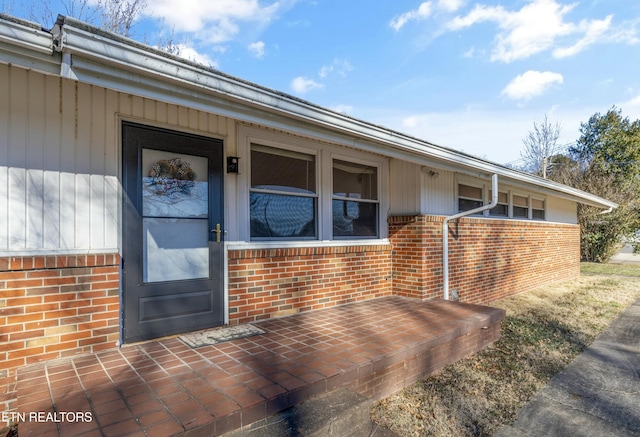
[23, 43]
[122, 64]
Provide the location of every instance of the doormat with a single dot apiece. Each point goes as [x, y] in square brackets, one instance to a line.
[219, 335]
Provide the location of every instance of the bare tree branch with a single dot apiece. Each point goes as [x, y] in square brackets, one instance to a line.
[539, 145]
[119, 16]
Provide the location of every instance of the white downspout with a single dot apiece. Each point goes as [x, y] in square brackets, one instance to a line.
[445, 232]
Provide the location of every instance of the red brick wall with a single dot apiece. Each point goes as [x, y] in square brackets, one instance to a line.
[265, 283]
[52, 307]
[417, 256]
[56, 306]
[488, 259]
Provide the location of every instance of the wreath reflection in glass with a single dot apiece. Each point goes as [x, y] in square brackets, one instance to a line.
[172, 177]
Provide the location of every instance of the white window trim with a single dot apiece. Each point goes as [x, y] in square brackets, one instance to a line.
[355, 160]
[544, 209]
[486, 187]
[471, 182]
[512, 205]
[316, 195]
[325, 153]
[488, 200]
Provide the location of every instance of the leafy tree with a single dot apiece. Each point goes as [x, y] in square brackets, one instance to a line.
[563, 169]
[612, 142]
[606, 162]
[539, 145]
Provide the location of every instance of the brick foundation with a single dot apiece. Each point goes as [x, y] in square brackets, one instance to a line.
[264, 283]
[488, 259]
[52, 307]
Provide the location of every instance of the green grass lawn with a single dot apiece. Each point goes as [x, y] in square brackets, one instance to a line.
[611, 269]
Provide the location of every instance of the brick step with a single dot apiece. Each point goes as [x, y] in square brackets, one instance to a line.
[341, 412]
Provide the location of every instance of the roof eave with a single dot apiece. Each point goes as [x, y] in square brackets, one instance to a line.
[114, 62]
[24, 43]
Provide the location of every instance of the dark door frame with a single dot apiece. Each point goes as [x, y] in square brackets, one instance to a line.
[206, 293]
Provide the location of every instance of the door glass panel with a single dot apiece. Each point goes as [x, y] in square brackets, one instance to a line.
[175, 249]
[175, 222]
[174, 185]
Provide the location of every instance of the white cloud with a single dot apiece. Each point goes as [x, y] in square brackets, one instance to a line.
[215, 21]
[187, 52]
[631, 108]
[450, 5]
[474, 52]
[625, 32]
[423, 12]
[302, 85]
[531, 84]
[257, 49]
[338, 66]
[593, 32]
[343, 109]
[531, 30]
[541, 25]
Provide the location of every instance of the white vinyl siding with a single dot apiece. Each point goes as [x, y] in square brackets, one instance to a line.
[60, 159]
[405, 185]
[60, 167]
[439, 192]
[561, 210]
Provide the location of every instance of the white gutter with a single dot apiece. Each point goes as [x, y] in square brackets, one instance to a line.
[25, 44]
[108, 60]
[445, 232]
[25, 34]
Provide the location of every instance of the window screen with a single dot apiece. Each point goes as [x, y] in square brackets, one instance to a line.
[469, 197]
[520, 206]
[537, 209]
[283, 197]
[355, 200]
[502, 208]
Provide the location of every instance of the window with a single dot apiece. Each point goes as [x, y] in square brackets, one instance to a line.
[469, 197]
[355, 200]
[502, 208]
[283, 195]
[520, 206]
[537, 209]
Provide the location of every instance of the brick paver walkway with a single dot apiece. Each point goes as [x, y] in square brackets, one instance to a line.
[163, 387]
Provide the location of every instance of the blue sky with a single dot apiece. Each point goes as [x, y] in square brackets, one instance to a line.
[469, 75]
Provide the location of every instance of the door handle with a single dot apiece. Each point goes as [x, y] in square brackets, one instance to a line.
[218, 231]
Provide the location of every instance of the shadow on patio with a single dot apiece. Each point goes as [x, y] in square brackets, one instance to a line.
[164, 387]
